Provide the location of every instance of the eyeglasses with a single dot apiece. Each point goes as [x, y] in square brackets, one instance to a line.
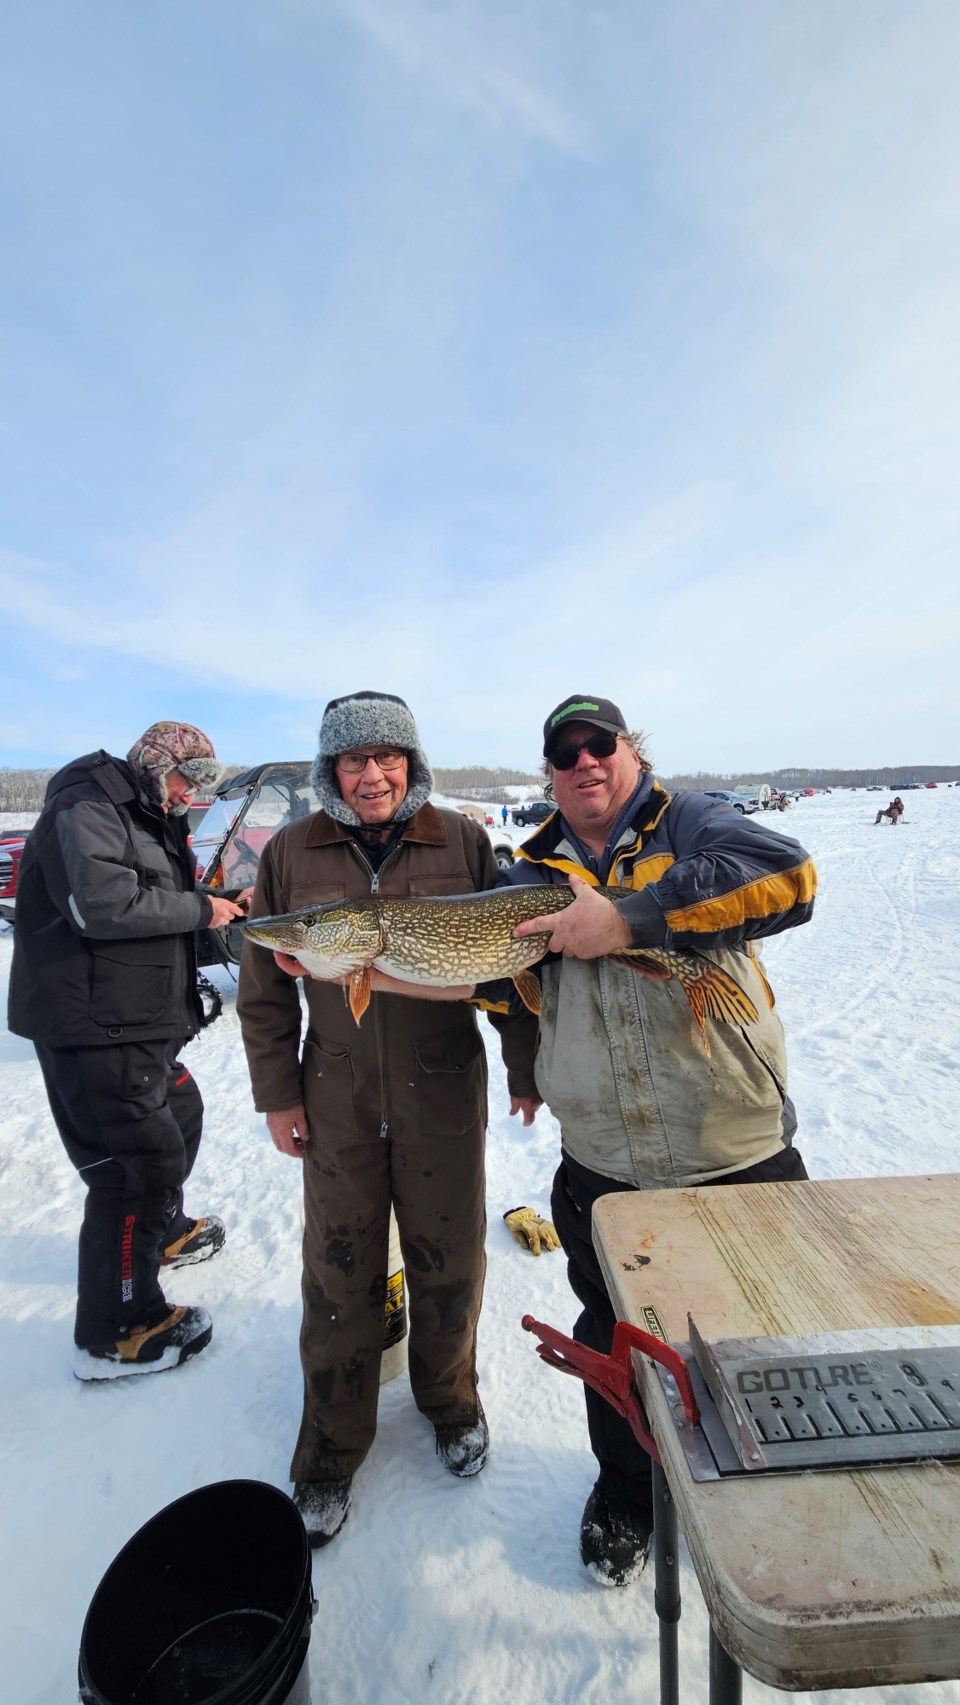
[599, 745]
[354, 762]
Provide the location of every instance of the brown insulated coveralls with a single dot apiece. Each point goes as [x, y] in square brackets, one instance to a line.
[397, 1111]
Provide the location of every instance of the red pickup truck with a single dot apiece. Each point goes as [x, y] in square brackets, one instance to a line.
[12, 842]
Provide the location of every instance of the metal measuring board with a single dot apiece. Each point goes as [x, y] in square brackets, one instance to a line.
[820, 1400]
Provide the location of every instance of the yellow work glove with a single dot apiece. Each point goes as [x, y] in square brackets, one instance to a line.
[531, 1231]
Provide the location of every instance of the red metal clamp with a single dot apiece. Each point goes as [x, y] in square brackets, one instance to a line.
[612, 1376]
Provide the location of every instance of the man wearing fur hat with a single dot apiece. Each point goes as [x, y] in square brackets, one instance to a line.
[104, 984]
[392, 1111]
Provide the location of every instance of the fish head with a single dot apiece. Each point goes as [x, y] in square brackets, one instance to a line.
[336, 935]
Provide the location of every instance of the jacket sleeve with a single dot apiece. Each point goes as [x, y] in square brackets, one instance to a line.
[268, 1005]
[516, 1027]
[733, 880]
[105, 899]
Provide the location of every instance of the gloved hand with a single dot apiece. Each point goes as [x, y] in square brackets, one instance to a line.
[531, 1231]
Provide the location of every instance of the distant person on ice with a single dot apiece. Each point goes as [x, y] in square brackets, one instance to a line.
[894, 811]
[503, 815]
[104, 983]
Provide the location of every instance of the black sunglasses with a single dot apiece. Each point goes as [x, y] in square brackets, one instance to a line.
[599, 745]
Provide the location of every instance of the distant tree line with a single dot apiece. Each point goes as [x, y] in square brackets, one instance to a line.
[475, 782]
[23, 790]
[788, 780]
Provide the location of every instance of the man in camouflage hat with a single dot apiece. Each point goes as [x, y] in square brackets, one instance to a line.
[104, 984]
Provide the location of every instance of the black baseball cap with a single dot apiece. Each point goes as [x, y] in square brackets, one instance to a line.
[582, 707]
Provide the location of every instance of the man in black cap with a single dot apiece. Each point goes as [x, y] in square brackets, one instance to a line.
[620, 1062]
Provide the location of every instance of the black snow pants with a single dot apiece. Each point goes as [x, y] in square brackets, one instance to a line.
[624, 1466]
[130, 1118]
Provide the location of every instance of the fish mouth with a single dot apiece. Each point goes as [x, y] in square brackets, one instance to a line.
[277, 933]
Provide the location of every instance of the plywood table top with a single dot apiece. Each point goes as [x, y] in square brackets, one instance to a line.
[812, 1579]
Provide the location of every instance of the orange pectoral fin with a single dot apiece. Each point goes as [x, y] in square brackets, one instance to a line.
[528, 988]
[359, 991]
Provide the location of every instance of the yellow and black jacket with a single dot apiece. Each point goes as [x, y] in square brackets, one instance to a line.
[621, 1062]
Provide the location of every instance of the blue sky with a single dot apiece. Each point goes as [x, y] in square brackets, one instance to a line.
[482, 351]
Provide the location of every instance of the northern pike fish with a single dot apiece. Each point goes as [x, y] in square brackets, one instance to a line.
[468, 938]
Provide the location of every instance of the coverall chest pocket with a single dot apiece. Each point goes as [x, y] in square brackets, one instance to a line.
[451, 1082]
[420, 886]
[131, 982]
[328, 1087]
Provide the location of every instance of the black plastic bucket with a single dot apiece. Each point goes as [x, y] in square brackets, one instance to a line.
[209, 1604]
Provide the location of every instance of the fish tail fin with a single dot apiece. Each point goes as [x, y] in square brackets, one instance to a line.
[699, 1005]
[716, 994]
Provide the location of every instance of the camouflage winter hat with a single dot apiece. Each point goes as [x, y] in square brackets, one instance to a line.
[170, 746]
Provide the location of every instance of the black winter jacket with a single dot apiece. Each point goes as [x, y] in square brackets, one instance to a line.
[104, 946]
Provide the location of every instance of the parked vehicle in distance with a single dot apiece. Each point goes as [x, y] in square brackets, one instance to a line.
[12, 843]
[534, 811]
[737, 800]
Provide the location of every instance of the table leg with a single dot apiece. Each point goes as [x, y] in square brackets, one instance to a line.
[725, 1676]
[667, 1584]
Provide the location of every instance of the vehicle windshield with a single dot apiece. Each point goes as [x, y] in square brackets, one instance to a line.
[268, 808]
[216, 821]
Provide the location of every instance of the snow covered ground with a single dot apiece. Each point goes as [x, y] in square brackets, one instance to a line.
[440, 1589]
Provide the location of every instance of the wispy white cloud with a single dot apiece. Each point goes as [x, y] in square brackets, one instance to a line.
[459, 48]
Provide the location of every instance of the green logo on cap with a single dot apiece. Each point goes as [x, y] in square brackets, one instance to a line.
[569, 709]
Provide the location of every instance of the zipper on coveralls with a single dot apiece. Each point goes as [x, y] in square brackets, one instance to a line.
[374, 889]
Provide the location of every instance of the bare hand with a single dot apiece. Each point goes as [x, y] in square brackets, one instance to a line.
[224, 912]
[527, 1105]
[287, 963]
[289, 1130]
[588, 929]
[245, 899]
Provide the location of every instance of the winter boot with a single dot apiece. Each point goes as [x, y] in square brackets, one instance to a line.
[614, 1540]
[183, 1332]
[463, 1446]
[202, 1240]
[324, 1506]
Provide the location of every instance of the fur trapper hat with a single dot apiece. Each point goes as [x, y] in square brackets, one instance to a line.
[170, 746]
[369, 719]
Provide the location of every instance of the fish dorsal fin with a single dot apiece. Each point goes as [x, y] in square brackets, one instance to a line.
[528, 988]
[359, 991]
